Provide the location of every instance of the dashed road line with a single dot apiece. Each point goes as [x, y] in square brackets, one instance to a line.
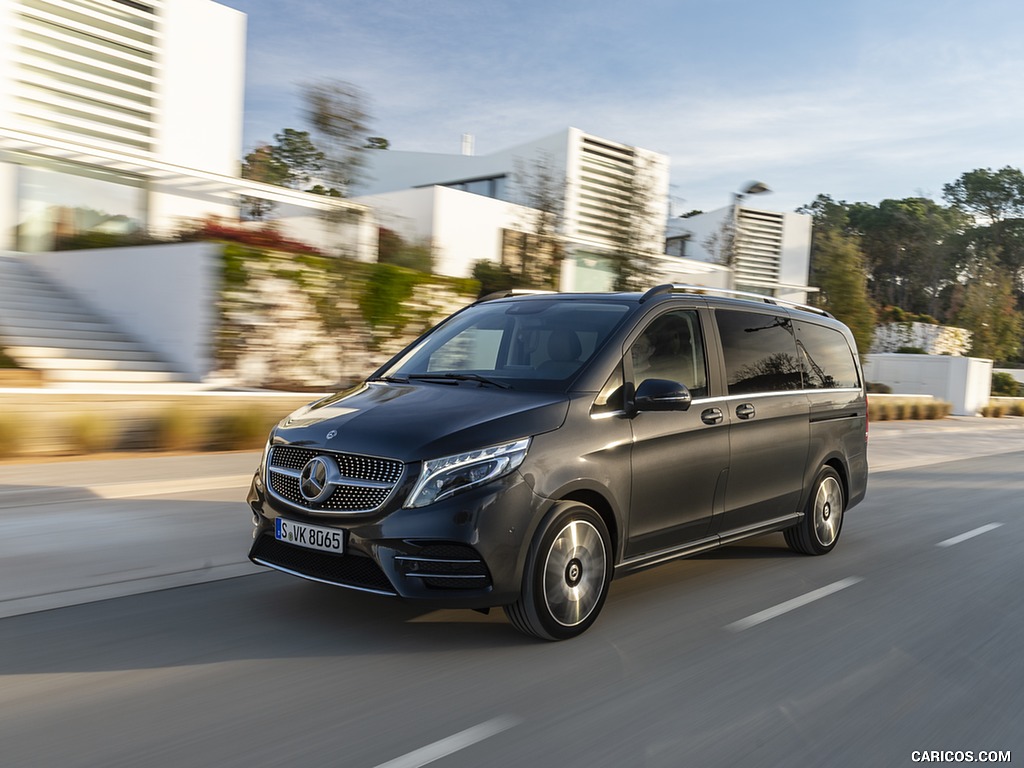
[968, 535]
[445, 747]
[791, 605]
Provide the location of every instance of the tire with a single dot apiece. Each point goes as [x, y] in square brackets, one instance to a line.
[568, 569]
[819, 531]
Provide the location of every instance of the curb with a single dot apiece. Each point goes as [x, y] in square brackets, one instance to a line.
[36, 495]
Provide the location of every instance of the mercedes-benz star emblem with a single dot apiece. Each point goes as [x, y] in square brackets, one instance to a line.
[313, 481]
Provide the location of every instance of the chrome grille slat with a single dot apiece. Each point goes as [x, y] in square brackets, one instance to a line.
[364, 484]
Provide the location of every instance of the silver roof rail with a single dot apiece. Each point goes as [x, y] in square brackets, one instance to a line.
[728, 292]
[510, 293]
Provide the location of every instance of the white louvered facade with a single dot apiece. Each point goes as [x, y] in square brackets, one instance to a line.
[767, 252]
[88, 71]
[759, 237]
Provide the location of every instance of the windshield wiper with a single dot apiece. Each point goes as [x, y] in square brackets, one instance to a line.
[390, 379]
[453, 377]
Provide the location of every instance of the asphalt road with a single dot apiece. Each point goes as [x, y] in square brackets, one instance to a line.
[906, 638]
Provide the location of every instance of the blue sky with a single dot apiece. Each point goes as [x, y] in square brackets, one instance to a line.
[859, 99]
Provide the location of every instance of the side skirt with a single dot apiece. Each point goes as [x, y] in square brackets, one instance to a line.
[651, 559]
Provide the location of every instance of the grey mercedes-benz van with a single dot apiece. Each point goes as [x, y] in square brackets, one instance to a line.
[531, 447]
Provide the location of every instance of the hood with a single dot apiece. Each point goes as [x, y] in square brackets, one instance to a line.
[412, 422]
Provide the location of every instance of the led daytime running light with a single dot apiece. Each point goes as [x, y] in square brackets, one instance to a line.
[450, 474]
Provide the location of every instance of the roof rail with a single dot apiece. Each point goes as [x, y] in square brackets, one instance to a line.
[702, 289]
[510, 293]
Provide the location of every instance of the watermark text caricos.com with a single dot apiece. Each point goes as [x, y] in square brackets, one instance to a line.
[960, 756]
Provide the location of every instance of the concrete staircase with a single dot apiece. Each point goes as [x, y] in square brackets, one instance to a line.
[45, 328]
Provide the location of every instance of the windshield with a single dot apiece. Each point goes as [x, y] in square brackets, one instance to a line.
[512, 343]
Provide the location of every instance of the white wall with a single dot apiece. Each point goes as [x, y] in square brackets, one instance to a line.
[965, 382]
[202, 86]
[700, 227]
[462, 228]
[163, 295]
[6, 61]
[467, 229]
[795, 260]
[8, 204]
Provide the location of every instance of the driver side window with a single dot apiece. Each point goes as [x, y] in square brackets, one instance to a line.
[671, 347]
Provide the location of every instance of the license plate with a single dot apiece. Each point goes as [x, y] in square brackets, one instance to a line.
[309, 536]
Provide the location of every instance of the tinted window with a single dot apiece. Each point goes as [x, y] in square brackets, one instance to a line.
[525, 341]
[671, 347]
[760, 352]
[827, 359]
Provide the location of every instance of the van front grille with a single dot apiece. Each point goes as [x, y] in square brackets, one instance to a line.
[360, 483]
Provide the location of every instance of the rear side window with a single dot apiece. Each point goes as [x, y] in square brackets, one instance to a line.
[826, 357]
[760, 352]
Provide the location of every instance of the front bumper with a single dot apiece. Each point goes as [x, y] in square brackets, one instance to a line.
[465, 551]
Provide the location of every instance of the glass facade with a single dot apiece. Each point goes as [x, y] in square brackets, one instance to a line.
[58, 202]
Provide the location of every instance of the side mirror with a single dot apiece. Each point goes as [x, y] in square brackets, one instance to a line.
[662, 395]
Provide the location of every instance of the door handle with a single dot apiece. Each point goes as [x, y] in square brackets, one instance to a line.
[712, 416]
[745, 411]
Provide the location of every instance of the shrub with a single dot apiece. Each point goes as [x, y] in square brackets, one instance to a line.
[6, 361]
[12, 433]
[993, 410]
[879, 388]
[1003, 384]
[879, 410]
[91, 433]
[178, 429]
[241, 430]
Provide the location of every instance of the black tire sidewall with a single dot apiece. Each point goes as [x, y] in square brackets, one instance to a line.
[533, 580]
[811, 533]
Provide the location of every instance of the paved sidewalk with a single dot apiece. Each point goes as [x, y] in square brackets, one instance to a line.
[891, 445]
[896, 445]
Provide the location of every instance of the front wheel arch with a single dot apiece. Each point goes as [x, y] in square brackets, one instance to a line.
[568, 570]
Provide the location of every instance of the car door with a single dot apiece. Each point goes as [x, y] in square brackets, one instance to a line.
[769, 425]
[679, 459]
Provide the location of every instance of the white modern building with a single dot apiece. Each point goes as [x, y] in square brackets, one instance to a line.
[596, 178]
[126, 115]
[768, 252]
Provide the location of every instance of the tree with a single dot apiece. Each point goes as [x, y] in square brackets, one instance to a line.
[262, 164]
[377, 142]
[337, 112]
[838, 270]
[721, 243]
[909, 250]
[994, 196]
[995, 203]
[296, 152]
[989, 313]
[635, 225]
[533, 253]
[392, 248]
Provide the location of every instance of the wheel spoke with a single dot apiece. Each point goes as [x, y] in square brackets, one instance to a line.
[574, 573]
[828, 511]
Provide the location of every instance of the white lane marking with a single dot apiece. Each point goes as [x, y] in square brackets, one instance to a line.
[791, 605]
[444, 747]
[968, 535]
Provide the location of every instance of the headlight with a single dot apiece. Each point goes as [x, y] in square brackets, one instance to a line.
[442, 478]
